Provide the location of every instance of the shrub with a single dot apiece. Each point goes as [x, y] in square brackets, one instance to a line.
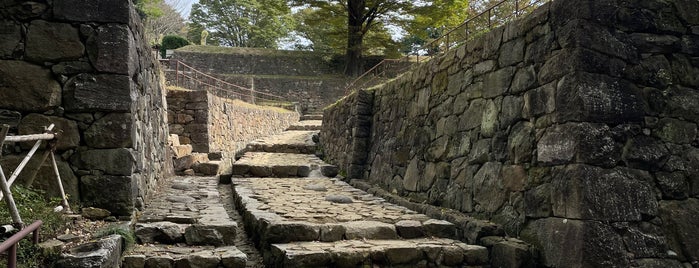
[172, 42]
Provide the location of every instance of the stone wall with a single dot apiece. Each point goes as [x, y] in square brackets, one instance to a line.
[214, 124]
[309, 78]
[312, 93]
[84, 66]
[574, 128]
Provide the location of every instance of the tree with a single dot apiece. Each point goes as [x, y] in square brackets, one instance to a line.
[432, 21]
[364, 17]
[241, 23]
[169, 22]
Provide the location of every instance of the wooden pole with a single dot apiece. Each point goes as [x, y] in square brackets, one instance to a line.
[5, 187]
[60, 184]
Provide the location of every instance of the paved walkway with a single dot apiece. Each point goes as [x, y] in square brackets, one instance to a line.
[295, 212]
[299, 215]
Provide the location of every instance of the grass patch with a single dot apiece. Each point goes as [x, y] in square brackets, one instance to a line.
[32, 206]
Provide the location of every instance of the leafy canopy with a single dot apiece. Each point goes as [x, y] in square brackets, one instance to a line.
[241, 23]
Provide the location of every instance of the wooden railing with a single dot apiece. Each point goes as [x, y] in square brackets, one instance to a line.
[494, 16]
[11, 242]
[185, 76]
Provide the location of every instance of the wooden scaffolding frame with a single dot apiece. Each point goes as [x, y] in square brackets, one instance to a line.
[5, 183]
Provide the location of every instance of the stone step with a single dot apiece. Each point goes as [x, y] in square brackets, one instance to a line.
[210, 168]
[283, 210]
[297, 142]
[424, 252]
[260, 164]
[186, 210]
[187, 161]
[311, 117]
[152, 256]
[306, 125]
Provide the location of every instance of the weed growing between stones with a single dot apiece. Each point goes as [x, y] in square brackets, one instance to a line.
[126, 234]
[32, 206]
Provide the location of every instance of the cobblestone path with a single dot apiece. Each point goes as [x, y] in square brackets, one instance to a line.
[295, 213]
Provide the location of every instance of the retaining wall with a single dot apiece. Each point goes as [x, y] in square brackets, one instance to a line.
[309, 78]
[86, 67]
[574, 129]
[214, 124]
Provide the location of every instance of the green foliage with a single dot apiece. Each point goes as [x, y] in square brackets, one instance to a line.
[172, 42]
[149, 8]
[32, 206]
[128, 236]
[241, 23]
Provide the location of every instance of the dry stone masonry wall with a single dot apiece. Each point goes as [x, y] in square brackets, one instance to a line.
[308, 78]
[574, 129]
[212, 124]
[84, 66]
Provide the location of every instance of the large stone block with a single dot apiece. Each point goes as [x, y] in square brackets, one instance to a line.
[578, 143]
[496, 83]
[47, 41]
[104, 92]
[93, 11]
[113, 193]
[10, 37]
[103, 253]
[112, 49]
[110, 131]
[110, 161]
[575, 243]
[681, 219]
[32, 85]
[488, 189]
[593, 193]
[587, 97]
[69, 136]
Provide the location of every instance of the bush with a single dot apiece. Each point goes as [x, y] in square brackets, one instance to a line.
[172, 42]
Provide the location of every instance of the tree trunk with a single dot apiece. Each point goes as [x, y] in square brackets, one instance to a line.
[355, 36]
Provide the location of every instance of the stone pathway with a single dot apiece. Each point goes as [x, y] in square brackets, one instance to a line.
[307, 125]
[300, 216]
[186, 225]
[295, 212]
[297, 142]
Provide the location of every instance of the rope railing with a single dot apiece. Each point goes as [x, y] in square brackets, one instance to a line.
[186, 76]
[494, 16]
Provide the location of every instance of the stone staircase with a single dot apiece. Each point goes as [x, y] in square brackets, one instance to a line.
[185, 225]
[299, 215]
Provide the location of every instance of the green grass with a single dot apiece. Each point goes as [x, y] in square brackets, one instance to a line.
[33, 206]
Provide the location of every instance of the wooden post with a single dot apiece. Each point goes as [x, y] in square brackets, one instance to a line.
[5, 187]
[60, 184]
